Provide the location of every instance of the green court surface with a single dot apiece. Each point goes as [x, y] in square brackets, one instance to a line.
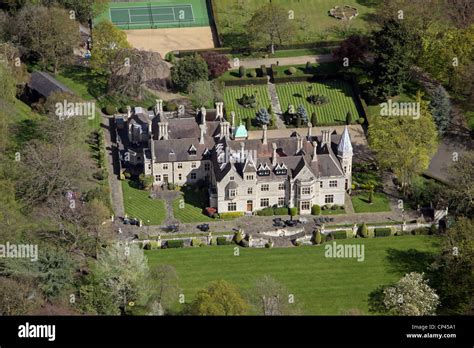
[157, 14]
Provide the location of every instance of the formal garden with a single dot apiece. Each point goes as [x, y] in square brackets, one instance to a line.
[245, 101]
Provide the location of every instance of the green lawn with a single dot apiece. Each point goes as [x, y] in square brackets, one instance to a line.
[312, 22]
[340, 94]
[361, 204]
[189, 207]
[139, 205]
[320, 285]
[232, 94]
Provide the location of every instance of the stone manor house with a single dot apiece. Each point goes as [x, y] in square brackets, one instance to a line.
[243, 175]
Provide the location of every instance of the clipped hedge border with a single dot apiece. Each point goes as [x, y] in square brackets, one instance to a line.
[245, 82]
[382, 232]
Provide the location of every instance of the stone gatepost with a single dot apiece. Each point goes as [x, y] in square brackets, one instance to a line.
[209, 239]
[250, 241]
[354, 230]
[158, 241]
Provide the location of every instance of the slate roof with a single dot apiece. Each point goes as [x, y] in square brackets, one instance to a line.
[45, 84]
[178, 149]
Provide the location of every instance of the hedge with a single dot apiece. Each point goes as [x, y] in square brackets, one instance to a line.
[280, 211]
[382, 232]
[245, 82]
[178, 243]
[293, 211]
[265, 212]
[232, 214]
[339, 234]
[195, 242]
[223, 241]
[263, 71]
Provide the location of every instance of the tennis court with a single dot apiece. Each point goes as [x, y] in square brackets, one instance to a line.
[154, 15]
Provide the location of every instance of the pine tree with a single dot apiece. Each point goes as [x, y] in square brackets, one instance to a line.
[314, 119]
[248, 123]
[263, 117]
[440, 108]
[302, 114]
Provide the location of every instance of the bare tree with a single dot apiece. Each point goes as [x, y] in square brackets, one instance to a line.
[271, 298]
[165, 287]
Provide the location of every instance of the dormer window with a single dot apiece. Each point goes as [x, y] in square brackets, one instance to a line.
[281, 169]
[192, 150]
[263, 170]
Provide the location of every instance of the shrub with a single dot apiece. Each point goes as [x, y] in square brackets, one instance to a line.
[314, 119]
[361, 120]
[293, 211]
[317, 99]
[178, 243]
[325, 207]
[195, 242]
[349, 118]
[364, 231]
[169, 57]
[169, 106]
[308, 68]
[223, 241]
[230, 215]
[334, 207]
[297, 243]
[317, 237]
[315, 210]
[323, 238]
[147, 246]
[280, 211]
[189, 69]
[217, 63]
[242, 71]
[253, 74]
[274, 70]
[123, 110]
[433, 229]
[382, 232]
[421, 230]
[371, 196]
[110, 110]
[263, 70]
[292, 70]
[339, 234]
[269, 244]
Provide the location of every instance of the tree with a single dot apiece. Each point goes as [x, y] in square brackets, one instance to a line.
[217, 63]
[411, 295]
[123, 271]
[165, 289]
[393, 47]
[263, 117]
[353, 48]
[270, 25]
[317, 236]
[460, 193]
[404, 144]
[349, 118]
[248, 123]
[314, 119]
[452, 269]
[302, 114]
[50, 33]
[4, 21]
[108, 42]
[189, 69]
[364, 230]
[85, 10]
[270, 297]
[371, 196]
[7, 84]
[219, 298]
[204, 93]
[145, 181]
[440, 108]
[242, 71]
[460, 12]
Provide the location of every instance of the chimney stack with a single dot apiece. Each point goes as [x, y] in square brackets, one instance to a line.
[310, 129]
[315, 147]
[159, 106]
[300, 144]
[163, 130]
[219, 110]
[224, 128]
[129, 112]
[264, 140]
[203, 115]
[326, 137]
[274, 156]
[203, 131]
[242, 152]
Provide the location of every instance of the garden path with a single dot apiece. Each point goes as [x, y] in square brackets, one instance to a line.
[276, 105]
[258, 62]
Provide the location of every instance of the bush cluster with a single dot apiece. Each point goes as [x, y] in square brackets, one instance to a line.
[382, 232]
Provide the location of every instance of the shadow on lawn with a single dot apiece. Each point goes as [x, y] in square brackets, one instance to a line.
[411, 260]
[96, 84]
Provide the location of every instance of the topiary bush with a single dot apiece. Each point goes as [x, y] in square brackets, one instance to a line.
[334, 207]
[292, 70]
[110, 110]
[317, 99]
[317, 237]
[238, 237]
[242, 71]
[169, 106]
[263, 70]
[361, 120]
[223, 241]
[339, 234]
[293, 211]
[364, 231]
[315, 210]
[265, 212]
[253, 74]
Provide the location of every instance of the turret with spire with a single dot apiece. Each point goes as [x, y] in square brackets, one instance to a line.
[344, 154]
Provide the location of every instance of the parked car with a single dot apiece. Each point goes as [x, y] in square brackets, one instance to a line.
[291, 223]
[126, 221]
[172, 228]
[303, 220]
[203, 227]
[211, 212]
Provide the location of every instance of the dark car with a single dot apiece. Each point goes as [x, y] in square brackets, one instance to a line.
[277, 222]
[172, 228]
[203, 227]
[291, 223]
